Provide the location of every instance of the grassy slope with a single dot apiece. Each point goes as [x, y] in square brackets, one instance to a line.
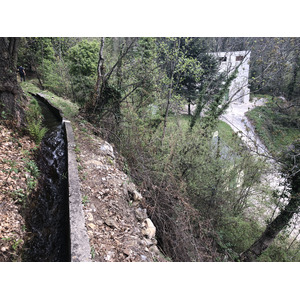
[225, 132]
[273, 127]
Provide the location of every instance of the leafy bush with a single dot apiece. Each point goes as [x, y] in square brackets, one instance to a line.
[238, 233]
[82, 88]
[281, 250]
[83, 60]
[57, 78]
[32, 168]
[36, 130]
[34, 121]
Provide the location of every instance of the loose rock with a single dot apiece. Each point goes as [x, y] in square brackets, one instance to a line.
[150, 229]
[141, 214]
[111, 223]
[137, 196]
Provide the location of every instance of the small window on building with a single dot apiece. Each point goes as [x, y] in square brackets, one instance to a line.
[239, 58]
[221, 59]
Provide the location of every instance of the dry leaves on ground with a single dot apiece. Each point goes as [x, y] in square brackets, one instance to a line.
[14, 153]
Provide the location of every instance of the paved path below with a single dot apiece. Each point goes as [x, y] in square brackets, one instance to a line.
[262, 208]
[236, 118]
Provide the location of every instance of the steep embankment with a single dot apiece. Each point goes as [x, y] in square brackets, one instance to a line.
[18, 178]
[118, 228]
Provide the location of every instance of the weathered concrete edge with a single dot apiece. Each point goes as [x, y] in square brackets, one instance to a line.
[79, 242]
[80, 247]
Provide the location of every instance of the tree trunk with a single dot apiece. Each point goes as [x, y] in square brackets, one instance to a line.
[292, 85]
[12, 101]
[102, 79]
[277, 224]
[13, 50]
[167, 109]
[100, 73]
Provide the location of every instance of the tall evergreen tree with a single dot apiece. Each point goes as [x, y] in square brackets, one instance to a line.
[190, 85]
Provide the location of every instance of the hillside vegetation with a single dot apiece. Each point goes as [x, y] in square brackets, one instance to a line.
[276, 125]
[197, 178]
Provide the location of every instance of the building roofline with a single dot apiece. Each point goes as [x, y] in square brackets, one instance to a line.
[229, 53]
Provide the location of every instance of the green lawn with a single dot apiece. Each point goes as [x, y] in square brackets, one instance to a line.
[225, 132]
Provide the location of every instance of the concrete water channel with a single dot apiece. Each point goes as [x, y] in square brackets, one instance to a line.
[56, 218]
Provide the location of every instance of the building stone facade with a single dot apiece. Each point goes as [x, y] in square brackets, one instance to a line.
[239, 91]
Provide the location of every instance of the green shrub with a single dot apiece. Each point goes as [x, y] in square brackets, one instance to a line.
[57, 78]
[32, 168]
[281, 250]
[34, 122]
[34, 111]
[83, 60]
[36, 130]
[238, 233]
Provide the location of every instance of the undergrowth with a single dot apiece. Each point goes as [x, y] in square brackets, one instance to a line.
[34, 121]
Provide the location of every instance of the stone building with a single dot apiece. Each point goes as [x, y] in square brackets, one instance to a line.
[239, 91]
